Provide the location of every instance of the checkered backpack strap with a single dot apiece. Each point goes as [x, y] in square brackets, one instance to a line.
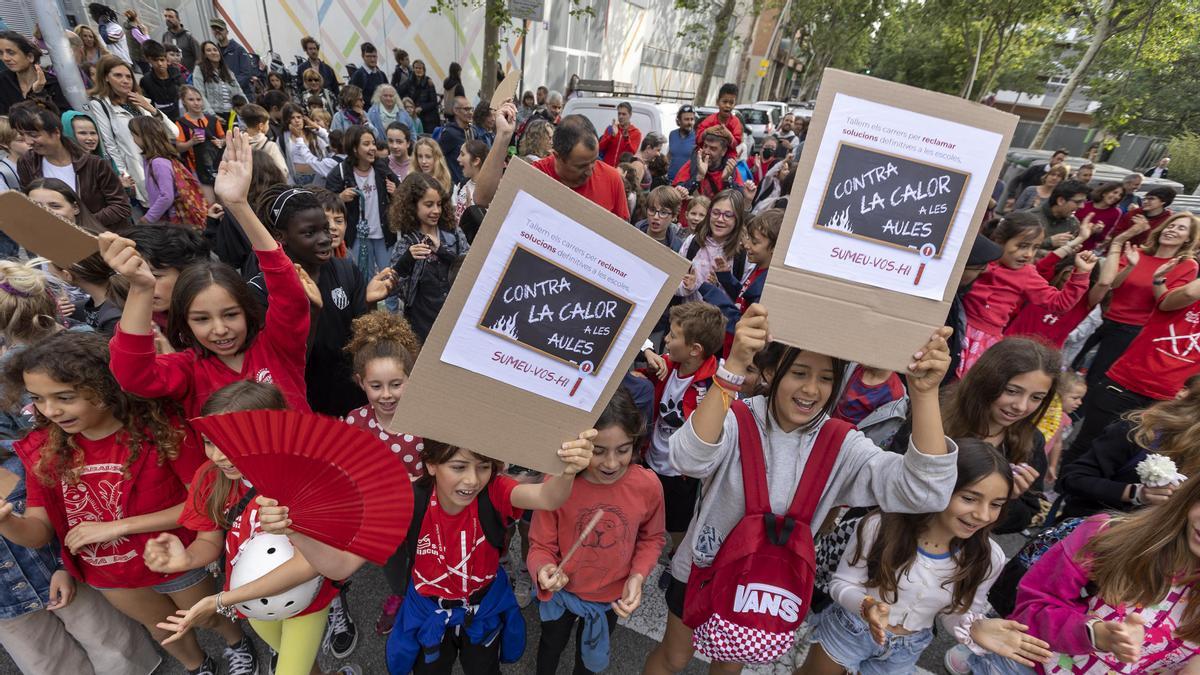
[830, 548]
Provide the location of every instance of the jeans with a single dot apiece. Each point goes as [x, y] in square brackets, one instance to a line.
[847, 640]
[377, 248]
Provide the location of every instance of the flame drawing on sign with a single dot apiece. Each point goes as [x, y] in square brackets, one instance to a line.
[506, 325]
[840, 221]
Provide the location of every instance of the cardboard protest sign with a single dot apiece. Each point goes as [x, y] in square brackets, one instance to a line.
[546, 315]
[506, 89]
[43, 233]
[889, 194]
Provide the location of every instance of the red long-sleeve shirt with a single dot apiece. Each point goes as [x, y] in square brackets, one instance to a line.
[615, 143]
[627, 540]
[276, 355]
[733, 124]
[1000, 291]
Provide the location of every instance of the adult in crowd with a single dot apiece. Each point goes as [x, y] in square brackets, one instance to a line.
[454, 134]
[483, 123]
[681, 142]
[621, 136]
[1057, 213]
[713, 171]
[237, 59]
[1159, 170]
[23, 79]
[1033, 175]
[527, 108]
[93, 47]
[421, 90]
[112, 105]
[1084, 173]
[369, 76]
[386, 108]
[351, 110]
[365, 187]
[176, 34]
[535, 142]
[1033, 196]
[1152, 211]
[554, 106]
[786, 135]
[312, 49]
[53, 155]
[1132, 183]
[452, 87]
[216, 82]
[540, 97]
[1138, 285]
[1102, 206]
[314, 88]
[572, 162]
[403, 70]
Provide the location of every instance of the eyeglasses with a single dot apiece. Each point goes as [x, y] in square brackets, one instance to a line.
[661, 212]
[722, 215]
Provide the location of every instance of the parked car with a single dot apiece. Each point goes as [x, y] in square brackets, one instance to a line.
[779, 106]
[760, 120]
[602, 111]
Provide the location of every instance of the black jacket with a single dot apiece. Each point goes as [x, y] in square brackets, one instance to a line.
[1096, 481]
[342, 177]
[425, 98]
[424, 284]
[10, 93]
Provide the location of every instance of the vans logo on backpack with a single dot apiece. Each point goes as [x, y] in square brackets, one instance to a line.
[767, 599]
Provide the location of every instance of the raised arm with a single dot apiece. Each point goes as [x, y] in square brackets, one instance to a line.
[493, 166]
[233, 185]
[553, 492]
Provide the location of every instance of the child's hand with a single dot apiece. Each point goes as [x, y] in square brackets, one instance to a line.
[1023, 476]
[875, 613]
[930, 363]
[93, 532]
[749, 338]
[65, 306]
[420, 251]
[657, 363]
[722, 265]
[1085, 261]
[166, 554]
[216, 211]
[391, 187]
[577, 453]
[183, 620]
[310, 288]
[273, 518]
[237, 164]
[122, 256]
[161, 344]
[381, 285]
[631, 596]
[1010, 640]
[1121, 639]
[62, 590]
[550, 578]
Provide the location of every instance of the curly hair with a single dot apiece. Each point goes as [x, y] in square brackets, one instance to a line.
[80, 360]
[382, 335]
[402, 214]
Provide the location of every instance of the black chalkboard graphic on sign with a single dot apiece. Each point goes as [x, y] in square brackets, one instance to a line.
[548, 308]
[892, 200]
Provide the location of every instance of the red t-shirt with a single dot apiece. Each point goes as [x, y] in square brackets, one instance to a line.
[604, 188]
[276, 355]
[454, 559]
[104, 494]
[406, 446]
[1163, 356]
[733, 124]
[1133, 300]
[1107, 217]
[242, 529]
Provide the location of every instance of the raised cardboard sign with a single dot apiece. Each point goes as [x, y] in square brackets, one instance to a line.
[43, 233]
[889, 194]
[506, 89]
[545, 318]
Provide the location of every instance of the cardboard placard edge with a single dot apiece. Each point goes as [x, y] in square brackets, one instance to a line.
[505, 91]
[490, 408]
[786, 326]
[27, 223]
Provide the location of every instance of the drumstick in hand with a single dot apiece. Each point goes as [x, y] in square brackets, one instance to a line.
[582, 535]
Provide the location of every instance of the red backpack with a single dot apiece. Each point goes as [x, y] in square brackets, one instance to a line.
[746, 606]
[191, 208]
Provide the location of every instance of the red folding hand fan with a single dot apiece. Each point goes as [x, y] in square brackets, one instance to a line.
[341, 485]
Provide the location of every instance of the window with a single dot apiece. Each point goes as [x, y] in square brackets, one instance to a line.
[576, 42]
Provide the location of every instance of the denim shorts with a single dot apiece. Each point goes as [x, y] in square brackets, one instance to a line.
[847, 640]
[180, 583]
[994, 664]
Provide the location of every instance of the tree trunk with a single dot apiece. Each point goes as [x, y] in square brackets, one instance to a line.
[744, 66]
[1099, 35]
[491, 50]
[714, 49]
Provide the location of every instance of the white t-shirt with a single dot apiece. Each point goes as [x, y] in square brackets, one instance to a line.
[64, 173]
[370, 203]
[669, 420]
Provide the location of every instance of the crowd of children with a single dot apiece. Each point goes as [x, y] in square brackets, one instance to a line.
[267, 257]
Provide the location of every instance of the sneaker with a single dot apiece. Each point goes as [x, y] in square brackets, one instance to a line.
[387, 617]
[342, 636]
[523, 590]
[240, 659]
[956, 660]
[209, 667]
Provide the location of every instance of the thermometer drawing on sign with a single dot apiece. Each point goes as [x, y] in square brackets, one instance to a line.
[585, 368]
[926, 251]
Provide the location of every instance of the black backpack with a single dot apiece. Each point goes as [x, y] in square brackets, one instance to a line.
[398, 569]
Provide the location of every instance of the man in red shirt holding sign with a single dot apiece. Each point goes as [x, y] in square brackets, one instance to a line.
[572, 162]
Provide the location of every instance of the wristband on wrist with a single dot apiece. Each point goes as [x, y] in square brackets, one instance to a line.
[962, 632]
[736, 380]
[226, 611]
[1091, 631]
[1137, 495]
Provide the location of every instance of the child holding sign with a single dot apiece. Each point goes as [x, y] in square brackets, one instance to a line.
[1012, 281]
[789, 420]
[607, 572]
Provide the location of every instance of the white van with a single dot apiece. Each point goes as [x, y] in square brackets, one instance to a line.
[647, 115]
